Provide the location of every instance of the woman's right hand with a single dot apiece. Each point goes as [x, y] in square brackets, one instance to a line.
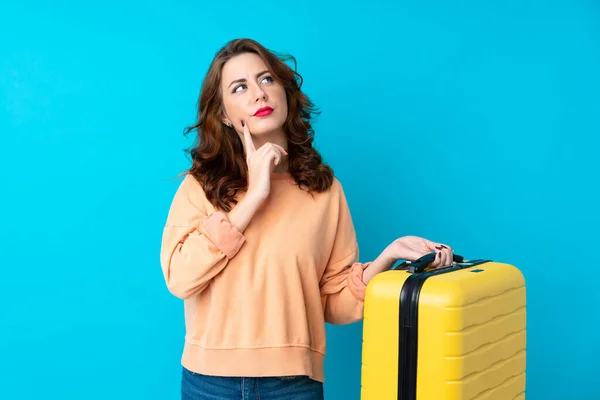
[261, 163]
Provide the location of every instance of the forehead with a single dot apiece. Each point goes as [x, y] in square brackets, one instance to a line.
[243, 66]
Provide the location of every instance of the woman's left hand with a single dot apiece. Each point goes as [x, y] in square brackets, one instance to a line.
[410, 248]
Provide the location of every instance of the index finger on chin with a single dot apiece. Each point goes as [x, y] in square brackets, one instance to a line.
[247, 138]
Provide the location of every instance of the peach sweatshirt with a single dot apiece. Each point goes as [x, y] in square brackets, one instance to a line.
[256, 302]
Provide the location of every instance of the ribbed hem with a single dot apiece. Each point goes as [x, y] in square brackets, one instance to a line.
[223, 234]
[261, 362]
[356, 285]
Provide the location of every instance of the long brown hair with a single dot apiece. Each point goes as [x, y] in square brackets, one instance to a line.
[218, 159]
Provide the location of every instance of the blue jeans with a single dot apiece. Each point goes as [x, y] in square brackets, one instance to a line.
[196, 386]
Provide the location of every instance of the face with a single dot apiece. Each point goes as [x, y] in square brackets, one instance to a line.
[250, 93]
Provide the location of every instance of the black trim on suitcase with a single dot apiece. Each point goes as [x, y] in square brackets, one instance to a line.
[408, 327]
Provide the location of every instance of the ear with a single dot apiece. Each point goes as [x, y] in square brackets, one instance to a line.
[226, 121]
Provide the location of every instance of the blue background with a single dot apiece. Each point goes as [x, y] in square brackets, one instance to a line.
[472, 123]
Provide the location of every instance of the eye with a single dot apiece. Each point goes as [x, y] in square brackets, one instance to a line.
[268, 79]
[235, 89]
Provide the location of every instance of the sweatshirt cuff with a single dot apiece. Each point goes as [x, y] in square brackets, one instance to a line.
[223, 234]
[355, 280]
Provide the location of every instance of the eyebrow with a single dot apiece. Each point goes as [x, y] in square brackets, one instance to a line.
[244, 80]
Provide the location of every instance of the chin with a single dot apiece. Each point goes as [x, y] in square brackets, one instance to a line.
[266, 125]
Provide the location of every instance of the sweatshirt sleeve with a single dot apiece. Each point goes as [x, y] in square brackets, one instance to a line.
[196, 244]
[342, 286]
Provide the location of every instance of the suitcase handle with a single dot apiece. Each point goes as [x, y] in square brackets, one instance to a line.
[420, 264]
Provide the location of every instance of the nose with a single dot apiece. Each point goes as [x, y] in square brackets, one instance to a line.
[260, 94]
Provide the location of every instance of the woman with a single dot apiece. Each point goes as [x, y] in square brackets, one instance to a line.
[259, 241]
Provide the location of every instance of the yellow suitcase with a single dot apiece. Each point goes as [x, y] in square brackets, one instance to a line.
[457, 333]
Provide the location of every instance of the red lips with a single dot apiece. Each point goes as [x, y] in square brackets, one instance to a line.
[263, 112]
